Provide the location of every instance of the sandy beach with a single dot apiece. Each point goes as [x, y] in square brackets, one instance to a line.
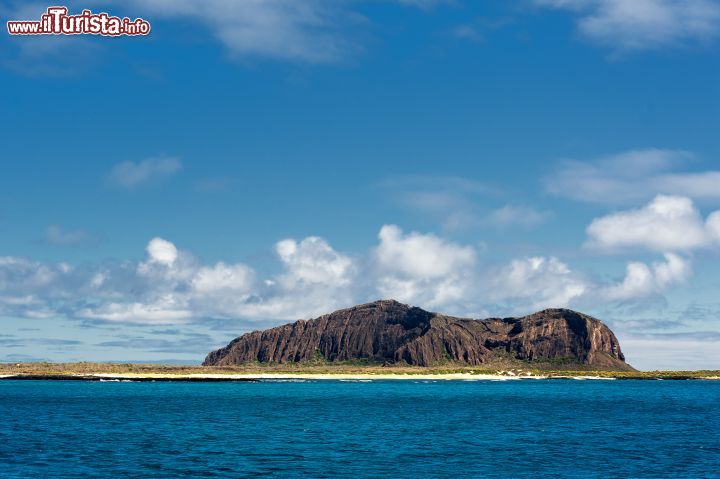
[139, 372]
[319, 376]
[347, 377]
[361, 377]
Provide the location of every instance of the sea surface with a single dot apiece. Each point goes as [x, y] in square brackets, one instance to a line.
[317, 429]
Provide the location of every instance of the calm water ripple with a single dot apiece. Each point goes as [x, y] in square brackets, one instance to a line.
[514, 429]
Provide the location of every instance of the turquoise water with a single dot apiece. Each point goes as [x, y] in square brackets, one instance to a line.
[539, 429]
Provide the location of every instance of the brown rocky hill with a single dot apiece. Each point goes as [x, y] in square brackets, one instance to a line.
[390, 332]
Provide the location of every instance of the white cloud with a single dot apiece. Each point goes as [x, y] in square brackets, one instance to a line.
[510, 215]
[674, 270]
[24, 275]
[422, 268]
[309, 31]
[315, 279]
[166, 269]
[219, 291]
[26, 285]
[165, 310]
[643, 280]
[460, 203]
[223, 277]
[638, 25]
[631, 176]
[423, 256]
[313, 261]
[162, 251]
[538, 283]
[529, 284]
[668, 223]
[171, 285]
[57, 235]
[713, 226]
[130, 175]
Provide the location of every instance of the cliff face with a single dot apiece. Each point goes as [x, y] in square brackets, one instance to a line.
[388, 331]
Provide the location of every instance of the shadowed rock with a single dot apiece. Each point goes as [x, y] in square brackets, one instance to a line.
[390, 332]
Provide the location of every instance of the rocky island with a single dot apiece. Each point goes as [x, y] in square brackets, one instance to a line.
[391, 333]
[387, 340]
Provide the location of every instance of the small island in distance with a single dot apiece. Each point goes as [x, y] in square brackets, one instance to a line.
[391, 333]
[389, 340]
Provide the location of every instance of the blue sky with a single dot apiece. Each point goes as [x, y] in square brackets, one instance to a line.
[252, 163]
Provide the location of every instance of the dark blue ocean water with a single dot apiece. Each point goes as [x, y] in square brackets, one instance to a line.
[538, 429]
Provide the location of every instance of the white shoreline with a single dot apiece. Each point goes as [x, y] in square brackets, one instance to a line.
[347, 376]
[282, 376]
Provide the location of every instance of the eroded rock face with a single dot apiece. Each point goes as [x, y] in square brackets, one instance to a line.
[390, 332]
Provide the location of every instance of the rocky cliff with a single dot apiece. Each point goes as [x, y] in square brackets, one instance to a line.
[390, 332]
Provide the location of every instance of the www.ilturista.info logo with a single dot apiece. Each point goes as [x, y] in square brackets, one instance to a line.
[56, 21]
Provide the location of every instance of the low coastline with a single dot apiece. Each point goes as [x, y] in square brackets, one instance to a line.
[253, 373]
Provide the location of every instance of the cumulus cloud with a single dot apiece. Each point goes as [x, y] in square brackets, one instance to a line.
[315, 279]
[638, 25]
[668, 223]
[538, 283]
[422, 268]
[631, 176]
[26, 284]
[313, 261]
[130, 175]
[713, 225]
[223, 277]
[420, 255]
[161, 251]
[644, 280]
[172, 286]
[25, 276]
